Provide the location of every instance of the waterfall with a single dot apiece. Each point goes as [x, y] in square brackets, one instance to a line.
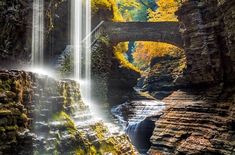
[81, 41]
[88, 51]
[38, 33]
[135, 118]
[76, 36]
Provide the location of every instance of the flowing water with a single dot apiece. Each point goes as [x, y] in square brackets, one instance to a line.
[81, 45]
[38, 33]
[80, 33]
[135, 119]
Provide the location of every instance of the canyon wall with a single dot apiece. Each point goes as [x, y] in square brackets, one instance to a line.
[208, 32]
[41, 115]
[201, 121]
[110, 81]
[16, 30]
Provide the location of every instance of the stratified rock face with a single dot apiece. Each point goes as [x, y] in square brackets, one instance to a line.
[226, 13]
[16, 30]
[163, 77]
[208, 34]
[40, 115]
[15, 113]
[136, 118]
[100, 68]
[58, 28]
[201, 34]
[191, 125]
[120, 82]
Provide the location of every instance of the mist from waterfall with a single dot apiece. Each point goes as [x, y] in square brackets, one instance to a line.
[87, 50]
[81, 41]
[38, 33]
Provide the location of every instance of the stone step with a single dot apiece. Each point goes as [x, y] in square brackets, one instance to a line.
[189, 126]
[82, 118]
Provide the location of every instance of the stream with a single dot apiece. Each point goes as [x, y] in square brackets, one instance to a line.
[135, 118]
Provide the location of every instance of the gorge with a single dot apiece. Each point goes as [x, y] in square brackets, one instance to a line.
[172, 97]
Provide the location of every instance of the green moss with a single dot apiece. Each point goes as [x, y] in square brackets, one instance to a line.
[55, 152]
[11, 127]
[70, 125]
[24, 117]
[67, 66]
[5, 112]
[2, 129]
[100, 130]
[5, 85]
[104, 40]
[79, 151]
[36, 153]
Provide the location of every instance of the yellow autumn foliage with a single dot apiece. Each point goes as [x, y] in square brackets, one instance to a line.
[165, 12]
[109, 5]
[145, 51]
[119, 51]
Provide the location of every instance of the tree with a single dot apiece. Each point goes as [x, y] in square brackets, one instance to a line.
[145, 51]
[102, 6]
[136, 10]
[165, 12]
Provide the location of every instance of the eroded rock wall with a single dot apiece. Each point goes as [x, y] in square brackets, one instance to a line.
[227, 18]
[41, 115]
[208, 32]
[194, 125]
[201, 121]
[201, 31]
[16, 30]
[111, 81]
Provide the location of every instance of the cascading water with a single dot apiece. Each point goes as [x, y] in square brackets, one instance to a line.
[135, 118]
[88, 51]
[76, 36]
[81, 41]
[81, 44]
[38, 33]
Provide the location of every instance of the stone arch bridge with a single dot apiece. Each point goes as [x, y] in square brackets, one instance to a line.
[167, 32]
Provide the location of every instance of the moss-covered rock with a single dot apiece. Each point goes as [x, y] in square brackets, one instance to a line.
[41, 115]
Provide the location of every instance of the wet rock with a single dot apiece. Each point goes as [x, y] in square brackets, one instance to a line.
[47, 116]
[41, 127]
[191, 125]
[136, 118]
[161, 79]
[140, 134]
[120, 83]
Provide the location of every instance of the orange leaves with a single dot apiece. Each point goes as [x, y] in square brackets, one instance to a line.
[145, 51]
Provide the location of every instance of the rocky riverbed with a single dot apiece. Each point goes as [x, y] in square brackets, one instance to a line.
[186, 122]
[194, 124]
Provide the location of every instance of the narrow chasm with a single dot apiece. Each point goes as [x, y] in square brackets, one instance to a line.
[117, 77]
[161, 66]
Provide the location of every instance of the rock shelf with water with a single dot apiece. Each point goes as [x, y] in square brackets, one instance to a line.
[41, 115]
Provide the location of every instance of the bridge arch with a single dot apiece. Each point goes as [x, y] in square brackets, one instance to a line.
[167, 32]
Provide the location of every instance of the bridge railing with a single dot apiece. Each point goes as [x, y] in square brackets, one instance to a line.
[92, 37]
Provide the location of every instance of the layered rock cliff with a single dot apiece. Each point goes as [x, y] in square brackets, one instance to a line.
[40, 115]
[208, 32]
[16, 30]
[194, 125]
[200, 119]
